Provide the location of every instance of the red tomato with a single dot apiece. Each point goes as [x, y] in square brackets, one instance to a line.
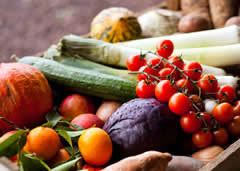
[184, 85]
[197, 101]
[91, 168]
[176, 60]
[236, 108]
[220, 137]
[145, 90]
[164, 74]
[155, 63]
[193, 70]
[179, 104]
[202, 139]
[226, 94]
[208, 83]
[234, 126]
[190, 123]
[164, 90]
[134, 62]
[165, 48]
[223, 112]
[148, 71]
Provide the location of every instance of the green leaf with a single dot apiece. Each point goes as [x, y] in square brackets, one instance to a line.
[31, 162]
[53, 118]
[66, 166]
[13, 144]
[65, 135]
[65, 128]
[75, 149]
[75, 133]
[78, 128]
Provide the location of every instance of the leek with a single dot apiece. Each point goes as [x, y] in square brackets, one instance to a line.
[218, 56]
[107, 53]
[218, 37]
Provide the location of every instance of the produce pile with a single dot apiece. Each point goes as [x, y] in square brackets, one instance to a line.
[148, 104]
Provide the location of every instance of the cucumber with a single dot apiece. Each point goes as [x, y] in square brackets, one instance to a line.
[85, 81]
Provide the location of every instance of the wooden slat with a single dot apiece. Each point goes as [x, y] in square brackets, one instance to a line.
[228, 160]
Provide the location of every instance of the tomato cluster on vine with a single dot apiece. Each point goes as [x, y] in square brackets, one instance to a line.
[184, 86]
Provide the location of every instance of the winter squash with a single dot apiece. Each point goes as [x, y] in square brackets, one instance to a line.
[25, 95]
[115, 25]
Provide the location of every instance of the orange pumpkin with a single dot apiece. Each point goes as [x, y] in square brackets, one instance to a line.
[25, 95]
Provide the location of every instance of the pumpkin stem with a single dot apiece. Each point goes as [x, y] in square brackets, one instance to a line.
[15, 57]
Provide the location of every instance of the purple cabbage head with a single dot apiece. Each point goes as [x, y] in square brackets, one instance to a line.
[141, 125]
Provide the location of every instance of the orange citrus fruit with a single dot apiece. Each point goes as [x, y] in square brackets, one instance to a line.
[44, 142]
[95, 146]
[61, 156]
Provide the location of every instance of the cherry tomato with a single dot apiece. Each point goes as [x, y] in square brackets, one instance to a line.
[223, 112]
[164, 74]
[220, 137]
[179, 104]
[134, 62]
[236, 108]
[208, 83]
[176, 60]
[145, 90]
[148, 71]
[165, 48]
[197, 101]
[234, 126]
[206, 116]
[202, 139]
[164, 90]
[155, 63]
[190, 123]
[226, 94]
[193, 70]
[184, 85]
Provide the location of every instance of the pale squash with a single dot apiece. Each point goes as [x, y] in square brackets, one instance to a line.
[115, 25]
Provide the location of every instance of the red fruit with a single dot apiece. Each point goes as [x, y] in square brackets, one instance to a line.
[208, 83]
[134, 62]
[179, 104]
[193, 70]
[74, 105]
[223, 112]
[91, 168]
[145, 90]
[176, 60]
[155, 63]
[87, 121]
[164, 74]
[202, 139]
[190, 123]
[220, 137]
[197, 101]
[25, 94]
[5, 137]
[164, 90]
[185, 85]
[234, 126]
[165, 48]
[149, 71]
[226, 94]
[236, 108]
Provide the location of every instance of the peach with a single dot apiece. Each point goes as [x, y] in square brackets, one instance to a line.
[87, 120]
[74, 105]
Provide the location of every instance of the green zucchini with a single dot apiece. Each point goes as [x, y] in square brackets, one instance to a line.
[85, 81]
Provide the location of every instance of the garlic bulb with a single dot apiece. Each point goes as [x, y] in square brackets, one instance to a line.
[159, 22]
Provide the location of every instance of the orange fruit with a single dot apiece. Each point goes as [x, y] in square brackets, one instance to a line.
[44, 142]
[61, 156]
[95, 146]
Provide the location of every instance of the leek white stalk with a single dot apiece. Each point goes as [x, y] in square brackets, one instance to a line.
[214, 56]
[107, 53]
[216, 37]
[228, 80]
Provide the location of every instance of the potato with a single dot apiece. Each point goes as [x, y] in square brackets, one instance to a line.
[148, 161]
[106, 109]
[193, 22]
[232, 21]
[180, 163]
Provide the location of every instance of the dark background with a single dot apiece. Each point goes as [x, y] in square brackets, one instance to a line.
[30, 26]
